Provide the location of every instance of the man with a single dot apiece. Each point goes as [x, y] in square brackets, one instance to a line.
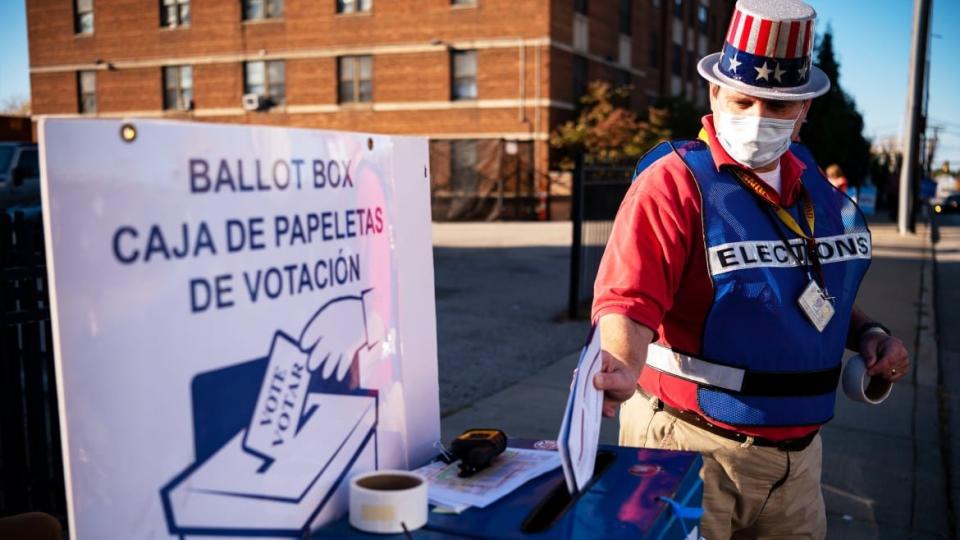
[725, 297]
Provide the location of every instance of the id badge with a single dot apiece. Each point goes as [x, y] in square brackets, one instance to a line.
[816, 306]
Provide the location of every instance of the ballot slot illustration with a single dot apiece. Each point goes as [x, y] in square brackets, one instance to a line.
[276, 437]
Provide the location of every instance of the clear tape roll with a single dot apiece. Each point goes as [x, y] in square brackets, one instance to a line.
[859, 386]
[387, 501]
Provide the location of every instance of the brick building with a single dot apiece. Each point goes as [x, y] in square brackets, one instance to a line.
[485, 80]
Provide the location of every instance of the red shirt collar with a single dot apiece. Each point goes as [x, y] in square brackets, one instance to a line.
[791, 168]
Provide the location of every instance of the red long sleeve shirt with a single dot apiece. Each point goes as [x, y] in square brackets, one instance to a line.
[654, 269]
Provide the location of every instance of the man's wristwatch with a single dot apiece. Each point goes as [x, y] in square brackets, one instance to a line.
[853, 341]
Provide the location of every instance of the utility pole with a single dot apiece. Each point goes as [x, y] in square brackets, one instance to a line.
[911, 142]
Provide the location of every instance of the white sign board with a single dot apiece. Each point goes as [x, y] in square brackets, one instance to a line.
[243, 318]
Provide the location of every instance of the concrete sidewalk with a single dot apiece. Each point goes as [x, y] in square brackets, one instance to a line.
[883, 473]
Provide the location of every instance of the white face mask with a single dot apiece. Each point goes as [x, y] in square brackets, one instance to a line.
[754, 141]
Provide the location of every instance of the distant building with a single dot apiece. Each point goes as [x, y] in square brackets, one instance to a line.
[485, 80]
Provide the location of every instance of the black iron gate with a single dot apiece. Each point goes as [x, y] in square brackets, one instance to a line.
[31, 469]
[597, 193]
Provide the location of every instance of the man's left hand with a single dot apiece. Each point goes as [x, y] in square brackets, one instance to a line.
[885, 356]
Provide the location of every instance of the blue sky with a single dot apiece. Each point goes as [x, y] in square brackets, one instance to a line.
[872, 40]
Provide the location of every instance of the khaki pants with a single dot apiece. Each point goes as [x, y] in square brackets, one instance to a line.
[748, 491]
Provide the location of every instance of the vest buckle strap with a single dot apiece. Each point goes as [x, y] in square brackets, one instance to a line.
[741, 381]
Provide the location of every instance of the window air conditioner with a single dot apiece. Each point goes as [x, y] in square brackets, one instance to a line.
[252, 102]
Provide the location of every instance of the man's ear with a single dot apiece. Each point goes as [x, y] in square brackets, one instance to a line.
[804, 110]
[714, 96]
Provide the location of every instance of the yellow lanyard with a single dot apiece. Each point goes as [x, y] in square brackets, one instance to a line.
[770, 198]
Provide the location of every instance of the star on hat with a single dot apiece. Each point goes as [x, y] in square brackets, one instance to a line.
[763, 72]
[734, 64]
[778, 73]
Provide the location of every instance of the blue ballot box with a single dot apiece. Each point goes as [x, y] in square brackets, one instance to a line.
[636, 493]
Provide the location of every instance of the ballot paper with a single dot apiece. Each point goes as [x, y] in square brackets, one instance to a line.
[510, 470]
[580, 431]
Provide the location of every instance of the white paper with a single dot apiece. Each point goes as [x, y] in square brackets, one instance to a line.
[580, 431]
[510, 470]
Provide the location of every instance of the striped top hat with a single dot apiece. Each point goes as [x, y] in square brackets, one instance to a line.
[767, 52]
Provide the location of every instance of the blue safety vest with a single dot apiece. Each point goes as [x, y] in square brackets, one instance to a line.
[790, 369]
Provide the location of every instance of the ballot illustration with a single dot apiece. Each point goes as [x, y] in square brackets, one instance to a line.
[276, 437]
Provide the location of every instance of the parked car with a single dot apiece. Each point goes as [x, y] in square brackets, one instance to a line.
[950, 205]
[19, 176]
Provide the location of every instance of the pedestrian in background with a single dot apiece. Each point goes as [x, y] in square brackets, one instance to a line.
[725, 297]
[836, 177]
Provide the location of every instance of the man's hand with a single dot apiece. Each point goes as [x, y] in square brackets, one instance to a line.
[884, 356]
[623, 344]
[618, 382]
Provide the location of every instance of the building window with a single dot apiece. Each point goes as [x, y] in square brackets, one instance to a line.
[624, 78]
[691, 65]
[580, 6]
[83, 16]
[625, 50]
[579, 78]
[654, 50]
[87, 91]
[626, 17]
[174, 13]
[581, 32]
[703, 18]
[262, 9]
[464, 75]
[678, 9]
[358, 6]
[356, 79]
[267, 80]
[178, 88]
[677, 60]
[463, 166]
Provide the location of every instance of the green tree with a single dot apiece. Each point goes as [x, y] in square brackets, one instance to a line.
[834, 128]
[607, 131]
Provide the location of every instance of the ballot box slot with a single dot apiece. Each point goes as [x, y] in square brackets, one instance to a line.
[559, 500]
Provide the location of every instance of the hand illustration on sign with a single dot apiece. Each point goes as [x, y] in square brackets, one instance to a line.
[328, 347]
[330, 342]
[310, 425]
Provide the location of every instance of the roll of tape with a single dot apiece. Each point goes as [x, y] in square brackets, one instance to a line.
[858, 385]
[388, 501]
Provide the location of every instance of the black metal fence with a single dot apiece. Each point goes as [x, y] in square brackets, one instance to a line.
[597, 193]
[31, 469]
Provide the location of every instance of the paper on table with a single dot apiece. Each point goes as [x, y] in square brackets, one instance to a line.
[580, 431]
[508, 471]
